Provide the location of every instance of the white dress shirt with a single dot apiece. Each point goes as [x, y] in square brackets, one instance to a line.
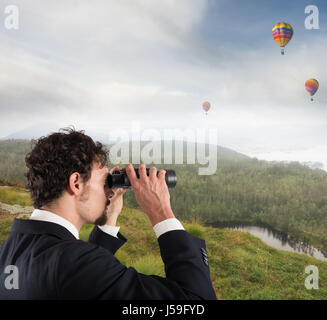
[159, 229]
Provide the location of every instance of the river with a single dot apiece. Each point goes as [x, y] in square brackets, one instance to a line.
[274, 238]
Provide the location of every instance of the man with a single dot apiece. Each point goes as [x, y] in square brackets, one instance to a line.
[67, 181]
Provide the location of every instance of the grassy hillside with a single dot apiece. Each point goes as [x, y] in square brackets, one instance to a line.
[15, 195]
[12, 161]
[241, 265]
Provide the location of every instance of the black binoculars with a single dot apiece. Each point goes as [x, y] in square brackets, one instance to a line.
[119, 178]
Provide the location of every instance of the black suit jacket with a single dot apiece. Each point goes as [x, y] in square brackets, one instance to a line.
[53, 264]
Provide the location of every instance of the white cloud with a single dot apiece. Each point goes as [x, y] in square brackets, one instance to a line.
[109, 21]
[108, 64]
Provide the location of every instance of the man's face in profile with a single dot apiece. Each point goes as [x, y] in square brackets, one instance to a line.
[94, 201]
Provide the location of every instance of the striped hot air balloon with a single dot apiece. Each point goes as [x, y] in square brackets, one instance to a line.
[206, 106]
[282, 33]
[311, 85]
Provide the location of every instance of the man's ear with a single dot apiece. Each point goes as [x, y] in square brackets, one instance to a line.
[75, 185]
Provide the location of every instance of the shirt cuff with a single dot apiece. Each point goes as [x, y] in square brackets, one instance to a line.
[167, 225]
[111, 230]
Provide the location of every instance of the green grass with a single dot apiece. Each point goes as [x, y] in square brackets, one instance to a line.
[243, 267]
[150, 264]
[195, 229]
[13, 195]
[5, 226]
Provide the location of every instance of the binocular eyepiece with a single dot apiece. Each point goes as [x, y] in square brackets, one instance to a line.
[119, 178]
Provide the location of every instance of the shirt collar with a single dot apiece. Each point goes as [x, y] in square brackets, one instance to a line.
[43, 215]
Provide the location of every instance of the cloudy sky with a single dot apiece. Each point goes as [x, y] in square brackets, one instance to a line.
[102, 65]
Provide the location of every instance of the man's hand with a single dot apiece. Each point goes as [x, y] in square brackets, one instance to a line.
[116, 203]
[151, 193]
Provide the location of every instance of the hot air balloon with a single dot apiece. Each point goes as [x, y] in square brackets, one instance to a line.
[282, 33]
[311, 85]
[206, 106]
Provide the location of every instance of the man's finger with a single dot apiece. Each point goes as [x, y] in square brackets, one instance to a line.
[162, 174]
[131, 174]
[113, 169]
[118, 191]
[142, 172]
[121, 191]
[153, 173]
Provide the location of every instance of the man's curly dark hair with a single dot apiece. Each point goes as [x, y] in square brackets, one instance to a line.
[54, 158]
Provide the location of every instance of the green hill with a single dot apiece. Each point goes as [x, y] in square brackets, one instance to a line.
[12, 163]
[241, 265]
[288, 197]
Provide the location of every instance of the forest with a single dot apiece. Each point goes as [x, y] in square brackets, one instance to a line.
[289, 197]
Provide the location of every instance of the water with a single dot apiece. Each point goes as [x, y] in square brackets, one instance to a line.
[275, 239]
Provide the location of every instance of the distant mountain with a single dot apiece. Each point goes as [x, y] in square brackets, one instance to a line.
[33, 132]
[43, 129]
